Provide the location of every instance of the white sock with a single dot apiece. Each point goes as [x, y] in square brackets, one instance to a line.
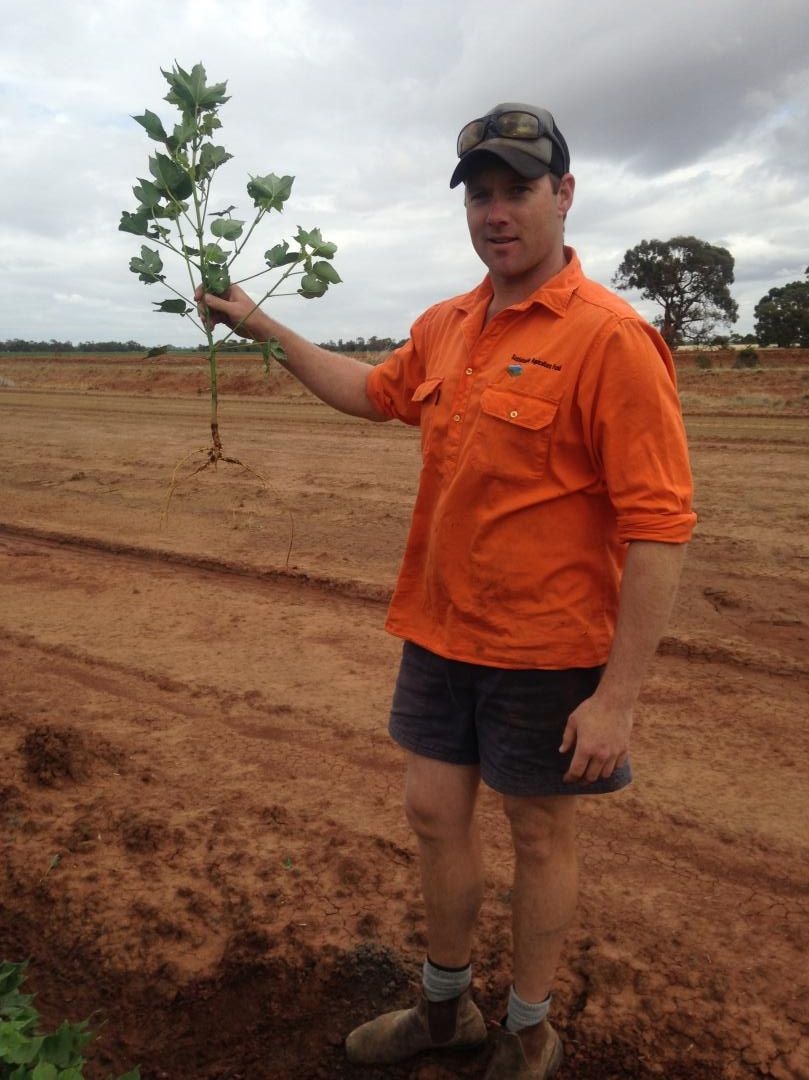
[523, 1014]
[442, 984]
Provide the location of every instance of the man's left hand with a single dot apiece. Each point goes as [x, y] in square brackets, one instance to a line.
[600, 733]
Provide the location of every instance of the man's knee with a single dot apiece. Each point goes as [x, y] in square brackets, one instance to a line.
[440, 799]
[542, 829]
[429, 818]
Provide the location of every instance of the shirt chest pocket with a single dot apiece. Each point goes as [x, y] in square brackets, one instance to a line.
[513, 434]
[427, 395]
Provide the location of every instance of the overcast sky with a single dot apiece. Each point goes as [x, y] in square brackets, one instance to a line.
[683, 116]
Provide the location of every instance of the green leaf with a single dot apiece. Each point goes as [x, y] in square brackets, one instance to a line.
[280, 255]
[171, 211]
[158, 350]
[209, 124]
[227, 228]
[147, 193]
[12, 976]
[270, 192]
[46, 1071]
[13, 1004]
[325, 249]
[221, 213]
[133, 1075]
[214, 253]
[71, 1074]
[137, 223]
[183, 133]
[315, 241]
[215, 278]
[326, 272]
[312, 287]
[276, 349]
[191, 91]
[148, 267]
[152, 124]
[173, 307]
[272, 349]
[170, 177]
[63, 1048]
[211, 157]
[15, 1046]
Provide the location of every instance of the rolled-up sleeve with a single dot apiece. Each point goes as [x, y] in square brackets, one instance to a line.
[637, 435]
[392, 384]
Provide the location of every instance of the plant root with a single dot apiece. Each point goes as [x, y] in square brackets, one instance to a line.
[213, 455]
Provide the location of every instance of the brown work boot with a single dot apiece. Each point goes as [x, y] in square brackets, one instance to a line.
[509, 1061]
[432, 1025]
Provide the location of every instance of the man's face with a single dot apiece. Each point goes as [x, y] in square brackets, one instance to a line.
[517, 225]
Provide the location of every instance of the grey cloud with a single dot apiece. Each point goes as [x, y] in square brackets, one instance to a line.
[682, 117]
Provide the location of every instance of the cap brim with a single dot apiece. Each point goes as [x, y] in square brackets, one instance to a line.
[525, 164]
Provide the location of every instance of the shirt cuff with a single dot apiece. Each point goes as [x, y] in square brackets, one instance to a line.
[666, 528]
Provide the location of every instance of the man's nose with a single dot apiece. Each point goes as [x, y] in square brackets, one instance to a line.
[497, 210]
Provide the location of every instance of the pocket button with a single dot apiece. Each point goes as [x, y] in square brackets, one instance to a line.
[513, 414]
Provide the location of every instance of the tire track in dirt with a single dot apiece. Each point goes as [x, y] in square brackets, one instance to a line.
[58, 539]
[688, 646]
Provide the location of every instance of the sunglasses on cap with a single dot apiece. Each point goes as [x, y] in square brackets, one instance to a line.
[513, 124]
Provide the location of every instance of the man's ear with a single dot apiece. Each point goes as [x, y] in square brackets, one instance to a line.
[567, 186]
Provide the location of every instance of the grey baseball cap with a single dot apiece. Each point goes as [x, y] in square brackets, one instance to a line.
[524, 136]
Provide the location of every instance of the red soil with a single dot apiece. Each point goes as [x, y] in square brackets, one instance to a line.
[197, 731]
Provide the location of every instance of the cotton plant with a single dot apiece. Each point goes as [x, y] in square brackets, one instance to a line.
[175, 214]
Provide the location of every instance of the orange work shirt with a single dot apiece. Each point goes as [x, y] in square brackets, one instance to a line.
[550, 438]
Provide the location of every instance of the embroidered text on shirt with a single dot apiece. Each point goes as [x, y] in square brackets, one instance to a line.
[536, 362]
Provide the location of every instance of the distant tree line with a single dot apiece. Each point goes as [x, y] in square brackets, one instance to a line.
[687, 277]
[360, 344]
[19, 345]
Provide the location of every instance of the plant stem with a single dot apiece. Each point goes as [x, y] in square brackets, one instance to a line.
[239, 246]
[200, 233]
[250, 277]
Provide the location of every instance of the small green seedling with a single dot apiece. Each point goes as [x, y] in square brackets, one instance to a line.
[27, 1054]
[175, 213]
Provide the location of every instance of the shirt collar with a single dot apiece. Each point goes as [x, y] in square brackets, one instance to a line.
[554, 294]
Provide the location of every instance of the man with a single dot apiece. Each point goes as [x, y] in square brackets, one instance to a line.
[540, 570]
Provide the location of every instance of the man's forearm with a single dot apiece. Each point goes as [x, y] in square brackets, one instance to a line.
[337, 379]
[340, 381]
[651, 575]
[601, 726]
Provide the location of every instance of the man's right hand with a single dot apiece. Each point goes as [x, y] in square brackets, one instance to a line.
[235, 309]
[341, 381]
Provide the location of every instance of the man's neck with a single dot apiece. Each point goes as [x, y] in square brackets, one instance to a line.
[506, 293]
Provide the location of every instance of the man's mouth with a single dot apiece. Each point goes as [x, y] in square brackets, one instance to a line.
[502, 239]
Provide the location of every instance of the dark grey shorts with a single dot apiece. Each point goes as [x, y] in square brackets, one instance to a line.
[510, 722]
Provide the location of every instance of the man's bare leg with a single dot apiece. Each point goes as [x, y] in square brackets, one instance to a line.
[440, 804]
[544, 893]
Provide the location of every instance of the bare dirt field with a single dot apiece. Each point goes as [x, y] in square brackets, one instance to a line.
[201, 831]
